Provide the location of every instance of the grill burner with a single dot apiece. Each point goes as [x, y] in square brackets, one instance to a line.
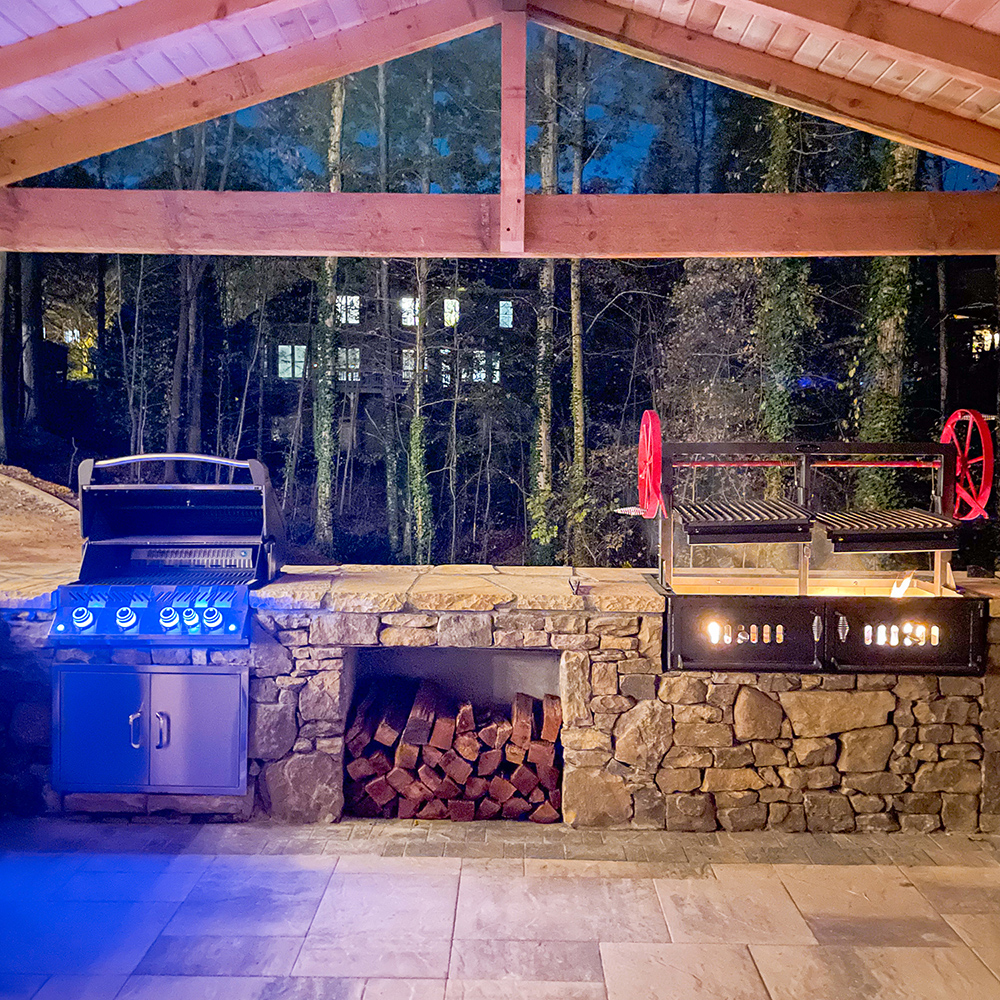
[170, 564]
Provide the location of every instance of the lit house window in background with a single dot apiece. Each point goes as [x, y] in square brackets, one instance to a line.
[444, 357]
[451, 312]
[485, 367]
[291, 360]
[348, 309]
[409, 364]
[408, 307]
[506, 314]
[349, 364]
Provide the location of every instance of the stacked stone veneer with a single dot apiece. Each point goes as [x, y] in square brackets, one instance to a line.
[643, 747]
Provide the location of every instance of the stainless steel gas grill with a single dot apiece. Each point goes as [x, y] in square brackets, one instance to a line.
[169, 564]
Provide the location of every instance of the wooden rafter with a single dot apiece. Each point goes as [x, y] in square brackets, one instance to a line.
[116, 31]
[887, 28]
[50, 142]
[773, 79]
[512, 127]
[416, 225]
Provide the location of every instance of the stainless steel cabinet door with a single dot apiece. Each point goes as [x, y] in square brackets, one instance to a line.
[103, 735]
[195, 731]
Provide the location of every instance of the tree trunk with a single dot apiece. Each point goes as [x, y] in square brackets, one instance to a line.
[578, 470]
[886, 314]
[325, 383]
[942, 325]
[31, 338]
[543, 532]
[389, 421]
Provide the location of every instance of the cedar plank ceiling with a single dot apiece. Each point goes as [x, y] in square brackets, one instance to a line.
[80, 77]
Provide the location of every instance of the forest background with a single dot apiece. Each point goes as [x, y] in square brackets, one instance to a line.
[455, 434]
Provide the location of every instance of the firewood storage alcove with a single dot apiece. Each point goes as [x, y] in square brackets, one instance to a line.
[455, 734]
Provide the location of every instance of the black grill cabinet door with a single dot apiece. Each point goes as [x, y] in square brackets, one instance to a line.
[102, 731]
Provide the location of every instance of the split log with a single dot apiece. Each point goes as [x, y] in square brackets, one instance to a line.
[545, 813]
[455, 767]
[524, 780]
[468, 746]
[489, 761]
[420, 722]
[435, 809]
[361, 768]
[430, 778]
[379, 760]
[548, 776]
[407, 755]
[408, 808]
[522, 719]
[487, 809]
[551, 717]
[432, 755]
[417, 791]
[476, 788]
[465, 718]
[501, 789]
[537, 795]
[448, 789]
[398, 701]
[488, 734]
[514, 754]
[515, 807]
[444, 729]
[541, 752]
[400, 779]
[379, 791]
[555, 797]
[504, 730]
[461, 811]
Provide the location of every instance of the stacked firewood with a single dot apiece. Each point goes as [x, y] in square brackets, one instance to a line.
[411, 751]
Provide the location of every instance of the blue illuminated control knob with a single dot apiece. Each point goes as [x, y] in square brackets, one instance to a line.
[212, 618]
[169, 618]
[125, 617]
[82, 617]
[190, 617]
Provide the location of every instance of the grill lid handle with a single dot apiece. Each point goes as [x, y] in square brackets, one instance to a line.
[258, 472]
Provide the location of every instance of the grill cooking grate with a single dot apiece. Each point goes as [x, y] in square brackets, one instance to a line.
[732, 522]
[909, 520]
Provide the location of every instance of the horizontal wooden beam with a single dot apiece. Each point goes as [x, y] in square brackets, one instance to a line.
[887, 28]
[773, 79]
[50, 142]
[114, 31]
[455, 225]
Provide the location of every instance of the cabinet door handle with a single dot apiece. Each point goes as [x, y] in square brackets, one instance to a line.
[163, 721]
[135, 729]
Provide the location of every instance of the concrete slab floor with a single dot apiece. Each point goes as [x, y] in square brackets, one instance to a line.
[409, 910]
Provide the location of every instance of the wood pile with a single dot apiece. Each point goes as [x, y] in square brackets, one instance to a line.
[411, 751]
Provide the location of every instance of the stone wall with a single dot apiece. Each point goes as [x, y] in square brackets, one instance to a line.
[643, 748]
[688, 750]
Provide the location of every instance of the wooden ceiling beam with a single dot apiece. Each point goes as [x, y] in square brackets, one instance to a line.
[117, 30]
[461, 225]
[887, 28]
[773, 79]
[54, 142]
[513, 109]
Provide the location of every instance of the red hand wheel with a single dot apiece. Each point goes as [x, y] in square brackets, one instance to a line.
[968, 432]
[650, 464]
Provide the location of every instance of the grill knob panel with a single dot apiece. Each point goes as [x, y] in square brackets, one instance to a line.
[82, 617]
[125, 618]
[169, 618]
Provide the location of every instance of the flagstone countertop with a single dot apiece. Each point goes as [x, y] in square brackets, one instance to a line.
[376, 589]
[361, 588]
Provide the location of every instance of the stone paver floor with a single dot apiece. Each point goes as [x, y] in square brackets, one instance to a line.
[492, 911]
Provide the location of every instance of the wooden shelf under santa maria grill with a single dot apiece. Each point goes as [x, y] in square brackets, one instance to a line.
[413, 751]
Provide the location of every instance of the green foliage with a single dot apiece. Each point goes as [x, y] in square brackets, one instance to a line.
[422, 514]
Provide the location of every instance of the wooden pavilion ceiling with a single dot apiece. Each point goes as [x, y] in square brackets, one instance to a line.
[81, 77]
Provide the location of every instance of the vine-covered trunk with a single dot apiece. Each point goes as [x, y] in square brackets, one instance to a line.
[575, 543]
[543, 531]
[325, 344]
[421, 513]
[887, 310]
[389, 417]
